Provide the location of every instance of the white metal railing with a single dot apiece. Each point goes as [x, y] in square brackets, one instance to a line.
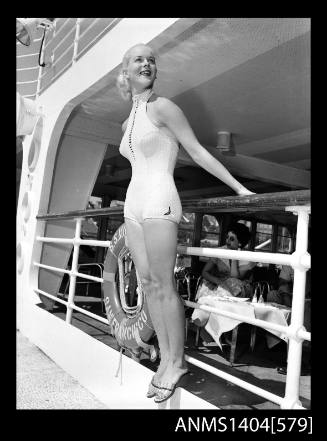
[300, 260]
[58, 55]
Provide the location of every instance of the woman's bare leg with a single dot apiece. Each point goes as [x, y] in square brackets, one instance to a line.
[161, 244]
[136, 245]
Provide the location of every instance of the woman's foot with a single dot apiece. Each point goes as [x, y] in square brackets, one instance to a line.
[167, 390]
[171, 375]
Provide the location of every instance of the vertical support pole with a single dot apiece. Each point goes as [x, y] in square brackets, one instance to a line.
[72, 283]
[295, 345]
[76, 40]
[196, 238]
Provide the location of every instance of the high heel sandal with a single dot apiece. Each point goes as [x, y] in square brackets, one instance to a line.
[164, 392]
[153, 388]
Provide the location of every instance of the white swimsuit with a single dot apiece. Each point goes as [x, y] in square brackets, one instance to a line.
[152, 152]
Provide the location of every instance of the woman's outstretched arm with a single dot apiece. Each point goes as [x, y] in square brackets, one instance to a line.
[170, 115]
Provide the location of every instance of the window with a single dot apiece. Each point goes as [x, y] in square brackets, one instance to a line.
[185, 237]
[249, 225]
[284, 240]
[263, 238]
[210, 234]
[186, 229]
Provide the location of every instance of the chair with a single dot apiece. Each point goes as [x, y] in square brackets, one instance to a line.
[184, 280]
[261, 288]
[91, 269]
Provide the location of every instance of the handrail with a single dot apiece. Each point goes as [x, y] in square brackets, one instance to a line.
[296, 202]
[57, 30]
[255, 202]
[76, 53]
[27, 68]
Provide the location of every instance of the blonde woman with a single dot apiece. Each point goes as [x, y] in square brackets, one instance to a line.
[152, 134]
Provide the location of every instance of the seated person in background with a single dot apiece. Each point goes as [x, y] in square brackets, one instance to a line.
[283, 295]
[231, 274]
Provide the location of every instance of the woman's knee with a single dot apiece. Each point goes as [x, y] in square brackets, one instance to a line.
[162, 286]
[146, 283]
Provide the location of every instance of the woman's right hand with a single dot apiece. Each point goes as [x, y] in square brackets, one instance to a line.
[245, 192]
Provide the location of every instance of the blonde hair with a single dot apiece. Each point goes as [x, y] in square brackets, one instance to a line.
[122, 82]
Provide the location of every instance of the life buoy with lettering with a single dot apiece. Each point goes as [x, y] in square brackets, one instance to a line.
[131, 332]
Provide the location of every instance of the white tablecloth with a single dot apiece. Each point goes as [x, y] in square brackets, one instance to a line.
[216, 324]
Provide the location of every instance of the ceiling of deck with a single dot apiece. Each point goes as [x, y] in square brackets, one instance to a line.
[248, 76]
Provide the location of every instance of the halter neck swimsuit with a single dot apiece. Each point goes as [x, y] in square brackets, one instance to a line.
[152, 152]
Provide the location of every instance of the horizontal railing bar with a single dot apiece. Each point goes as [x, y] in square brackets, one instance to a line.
[52, 268]
[252, 256]
[55, 77]
[252, 321]
[235, 380]
[255, 202]
[57, 32]
[39, 291]
[19, 83]
[27, 96]
[27, 68]
[99, 243]
[73, 306]
[62, 41]
[27, 55]
[73, 273]
[97, 212]
[34, 41]
[279, 199]
[91, 25]
[56, 61]
[88, 277]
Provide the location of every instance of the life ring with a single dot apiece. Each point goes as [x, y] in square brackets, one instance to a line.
[132, 327]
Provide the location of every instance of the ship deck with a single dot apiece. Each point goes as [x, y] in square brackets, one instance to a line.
[258, 367]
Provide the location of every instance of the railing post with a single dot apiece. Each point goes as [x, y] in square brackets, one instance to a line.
[38, 88]
[294, 355]
[72, 283]
[78, 26]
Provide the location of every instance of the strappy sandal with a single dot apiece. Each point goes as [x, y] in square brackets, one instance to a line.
[153, 389]
[167, 391]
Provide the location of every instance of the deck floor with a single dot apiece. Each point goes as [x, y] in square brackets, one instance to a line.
[258, 367]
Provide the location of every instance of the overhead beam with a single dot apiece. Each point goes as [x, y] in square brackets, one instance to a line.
[280, 142]
[255, 168]
[85, 127]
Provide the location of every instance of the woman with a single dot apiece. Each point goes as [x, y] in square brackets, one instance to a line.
[230, 272]
[152, 211]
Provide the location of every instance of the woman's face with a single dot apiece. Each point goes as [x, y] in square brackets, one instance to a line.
[232, 241]
[141, 69]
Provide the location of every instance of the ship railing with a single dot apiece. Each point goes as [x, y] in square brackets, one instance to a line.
[296, 202]
[63, 46]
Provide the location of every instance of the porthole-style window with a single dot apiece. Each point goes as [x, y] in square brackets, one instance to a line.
[19, 258]
[26, 206]
[34, 151]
